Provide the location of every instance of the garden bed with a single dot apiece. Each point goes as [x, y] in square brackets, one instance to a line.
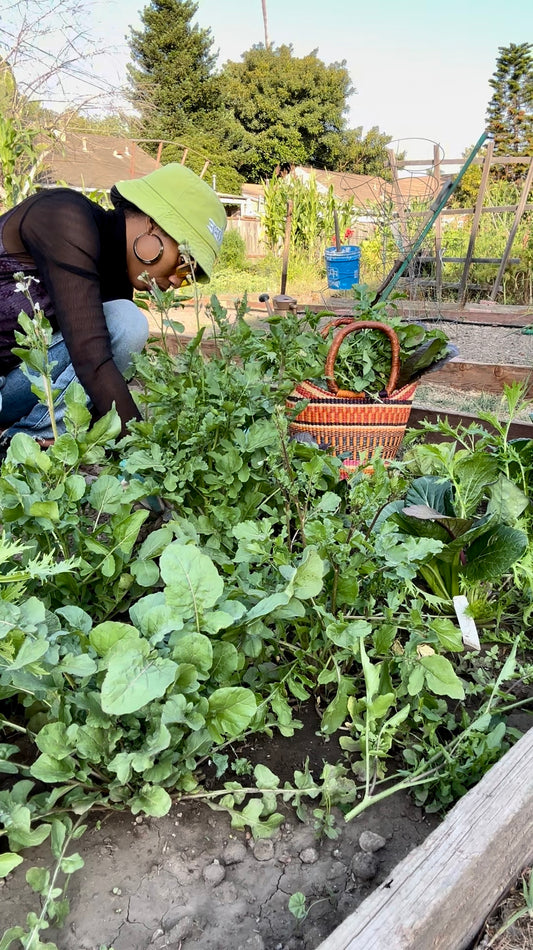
[275, 646]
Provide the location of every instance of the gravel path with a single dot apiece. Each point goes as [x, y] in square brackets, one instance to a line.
[489, 344]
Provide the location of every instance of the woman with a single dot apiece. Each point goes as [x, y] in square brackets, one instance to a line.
[87, 261]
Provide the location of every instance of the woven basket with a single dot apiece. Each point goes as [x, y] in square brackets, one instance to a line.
[354, 424]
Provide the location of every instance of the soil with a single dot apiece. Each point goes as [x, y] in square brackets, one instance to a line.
[190, 881]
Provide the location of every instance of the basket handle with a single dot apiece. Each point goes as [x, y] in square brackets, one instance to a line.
[352, 326]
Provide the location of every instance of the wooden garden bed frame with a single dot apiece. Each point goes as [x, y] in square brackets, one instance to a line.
[439, 896]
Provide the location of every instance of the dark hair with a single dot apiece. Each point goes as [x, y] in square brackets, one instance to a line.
[118, 201]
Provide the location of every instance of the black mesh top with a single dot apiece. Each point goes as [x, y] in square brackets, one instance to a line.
[77, 250]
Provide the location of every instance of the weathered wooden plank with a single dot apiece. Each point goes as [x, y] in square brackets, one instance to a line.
[497, 160]
[426, 311]
[438, 229]
[466, 212]
[438, 897]
[480, 377]
[420, 414]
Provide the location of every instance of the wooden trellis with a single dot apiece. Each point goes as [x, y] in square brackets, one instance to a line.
[438, 258]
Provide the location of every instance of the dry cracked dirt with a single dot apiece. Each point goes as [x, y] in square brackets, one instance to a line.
[189, 881]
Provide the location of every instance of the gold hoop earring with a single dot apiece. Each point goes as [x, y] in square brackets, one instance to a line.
[159, 254]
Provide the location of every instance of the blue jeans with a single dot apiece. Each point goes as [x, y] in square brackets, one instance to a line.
[20, 409]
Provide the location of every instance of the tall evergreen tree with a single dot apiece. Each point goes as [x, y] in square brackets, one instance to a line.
[510, 111]
[172, 74]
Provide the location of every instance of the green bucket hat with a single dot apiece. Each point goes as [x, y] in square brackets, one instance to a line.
[184, 206]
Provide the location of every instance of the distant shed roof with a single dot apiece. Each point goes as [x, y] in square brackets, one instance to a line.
[94, 162]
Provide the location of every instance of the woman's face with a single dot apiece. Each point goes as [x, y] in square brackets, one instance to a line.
[147, 240]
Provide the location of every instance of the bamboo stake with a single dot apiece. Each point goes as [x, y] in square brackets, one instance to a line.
[286, 245]
[463, 283]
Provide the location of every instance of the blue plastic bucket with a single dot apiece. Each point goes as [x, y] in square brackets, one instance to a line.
[342, 267]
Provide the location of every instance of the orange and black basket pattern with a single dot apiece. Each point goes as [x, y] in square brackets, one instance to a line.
[348, 423]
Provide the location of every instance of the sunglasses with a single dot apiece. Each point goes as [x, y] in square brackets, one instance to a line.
[185, 269]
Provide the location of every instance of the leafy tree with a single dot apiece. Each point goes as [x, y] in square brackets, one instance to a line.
[282, 108]
[510, 111]
[364, 155]
[172, 75]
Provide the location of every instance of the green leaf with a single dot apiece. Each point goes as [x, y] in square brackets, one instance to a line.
[193, 582]
[415, 681]
[80, 665]
[47, 768]
[152, 800]
[105, 429]
[155, 543]
[448, 633]
[225, 661]
[507, 501]
[441, 677]
[381, 705]
[267, 606]
[371, 674]
[57, 837]
[133, 680]
[45, 509]
[348, 635]
[38, 879]
[71, 863]
[106, 494]
[493, 554]
[126, 530]
[8, 862]
[53, 740]
[474, 474]
[335, 714]
[196, 649]
[65, 449]
[297, 906]
[25, 450]
[231, 709]
[265, 778]
[307, 580]
[76, 618]
[260, 435]
[30, 651]
[105, 635]
[146, 573]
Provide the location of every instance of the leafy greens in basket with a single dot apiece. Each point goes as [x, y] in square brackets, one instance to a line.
[363, 362]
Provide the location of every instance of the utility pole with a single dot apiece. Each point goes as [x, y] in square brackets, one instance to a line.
[265, 21]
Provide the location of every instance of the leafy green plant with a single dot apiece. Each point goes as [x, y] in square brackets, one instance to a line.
[312, 215]
[135, 650]
[20, 161]
[472, 548]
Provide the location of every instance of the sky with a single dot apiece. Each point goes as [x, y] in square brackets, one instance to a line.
[421, 69]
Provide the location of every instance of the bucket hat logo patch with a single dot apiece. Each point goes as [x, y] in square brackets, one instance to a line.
[214, 229]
